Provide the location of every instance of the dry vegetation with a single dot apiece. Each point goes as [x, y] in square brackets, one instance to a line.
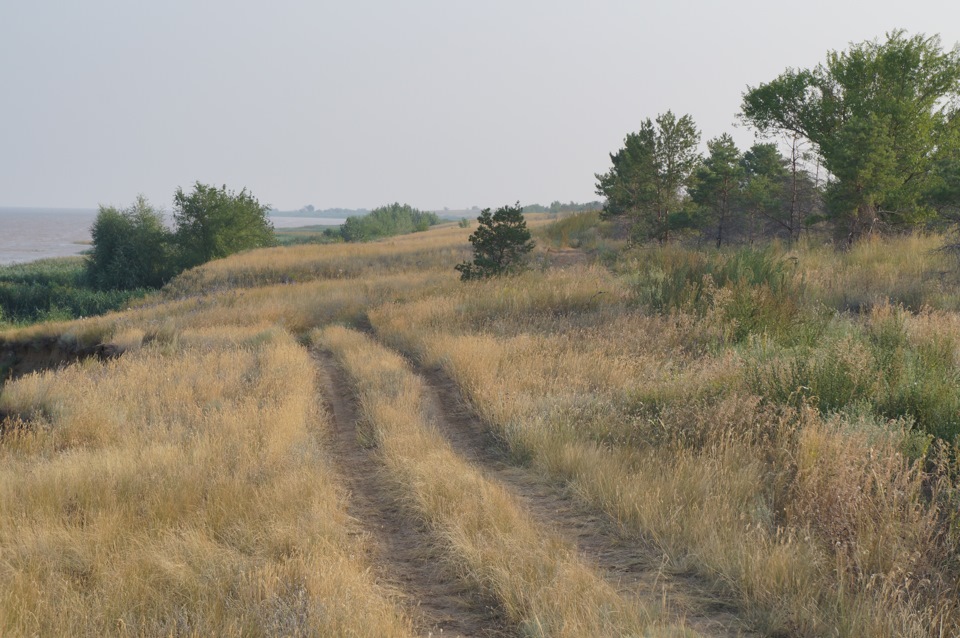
[779, 422]
[536, 576]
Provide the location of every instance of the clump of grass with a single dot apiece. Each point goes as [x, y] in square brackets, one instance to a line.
[873, 363]
[910, 271]
[744, 292]
[585, 231]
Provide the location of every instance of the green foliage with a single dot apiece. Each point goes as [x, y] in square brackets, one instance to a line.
[745, 292]
[500, 244]
[464, 223]
[880, 116]
[212, 223]
[132, 248]
[718, 183]
[387, 221]
[876, 367]
[54, 289]
[649, 174]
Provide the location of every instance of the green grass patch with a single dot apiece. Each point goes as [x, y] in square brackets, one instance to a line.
[54, 289]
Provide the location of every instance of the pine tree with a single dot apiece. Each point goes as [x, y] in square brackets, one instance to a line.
[500, 244]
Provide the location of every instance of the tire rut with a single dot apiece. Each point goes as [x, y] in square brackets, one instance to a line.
[633, 566]
[403, 557]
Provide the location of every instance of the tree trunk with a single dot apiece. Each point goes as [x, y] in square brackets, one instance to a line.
[794, 193]
[863, 223]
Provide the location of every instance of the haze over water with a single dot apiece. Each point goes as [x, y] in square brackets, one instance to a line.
[29, 234]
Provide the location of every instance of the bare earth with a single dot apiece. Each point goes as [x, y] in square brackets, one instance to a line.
[401, 551]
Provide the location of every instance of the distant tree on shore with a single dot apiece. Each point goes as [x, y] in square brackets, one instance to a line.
[133, 248]
[386, 221]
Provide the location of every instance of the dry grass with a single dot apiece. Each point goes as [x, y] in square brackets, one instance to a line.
[538, 578]
[179, 490]
[182, 489]
[670, 441]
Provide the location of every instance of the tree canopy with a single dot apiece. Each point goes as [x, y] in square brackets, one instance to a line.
[650, 173]
[719, 181]
[882, 116]
[212, 223]
[132, 248]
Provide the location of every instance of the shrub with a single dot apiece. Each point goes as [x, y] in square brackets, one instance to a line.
[745, 292]
[386, 221]
[132, 248]
[500, 244]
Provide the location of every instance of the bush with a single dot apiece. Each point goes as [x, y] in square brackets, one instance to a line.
[132, 248]
[387, 221]
[875, 367]
[500, 244]
[743, 292]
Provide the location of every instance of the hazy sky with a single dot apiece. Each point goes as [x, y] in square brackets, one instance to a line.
[360, 103]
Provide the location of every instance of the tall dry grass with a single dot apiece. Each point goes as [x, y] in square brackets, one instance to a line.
[816, 524]
[778, 443]
[179, 490]
[486, 536]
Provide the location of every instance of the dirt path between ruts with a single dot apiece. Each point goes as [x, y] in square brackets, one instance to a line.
[402, 559]
[635, 568]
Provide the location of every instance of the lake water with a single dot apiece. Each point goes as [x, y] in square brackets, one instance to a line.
[28, 234]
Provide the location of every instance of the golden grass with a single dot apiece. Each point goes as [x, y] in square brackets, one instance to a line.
[538, 578]
[183, 488]
[673, 445]
[911, 270]
[179, 490]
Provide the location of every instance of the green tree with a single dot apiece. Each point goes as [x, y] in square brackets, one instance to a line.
[629, 186]
[765, 191]
[132, 248]
[651, 172]
[878, 115]
[212, 223]
[718, 183]
[500, 244]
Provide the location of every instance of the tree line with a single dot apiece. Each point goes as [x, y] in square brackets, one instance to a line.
[385, 221]
[134, 248]
[872, 139]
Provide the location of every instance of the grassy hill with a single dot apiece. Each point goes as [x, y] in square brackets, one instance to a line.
[345, 439]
